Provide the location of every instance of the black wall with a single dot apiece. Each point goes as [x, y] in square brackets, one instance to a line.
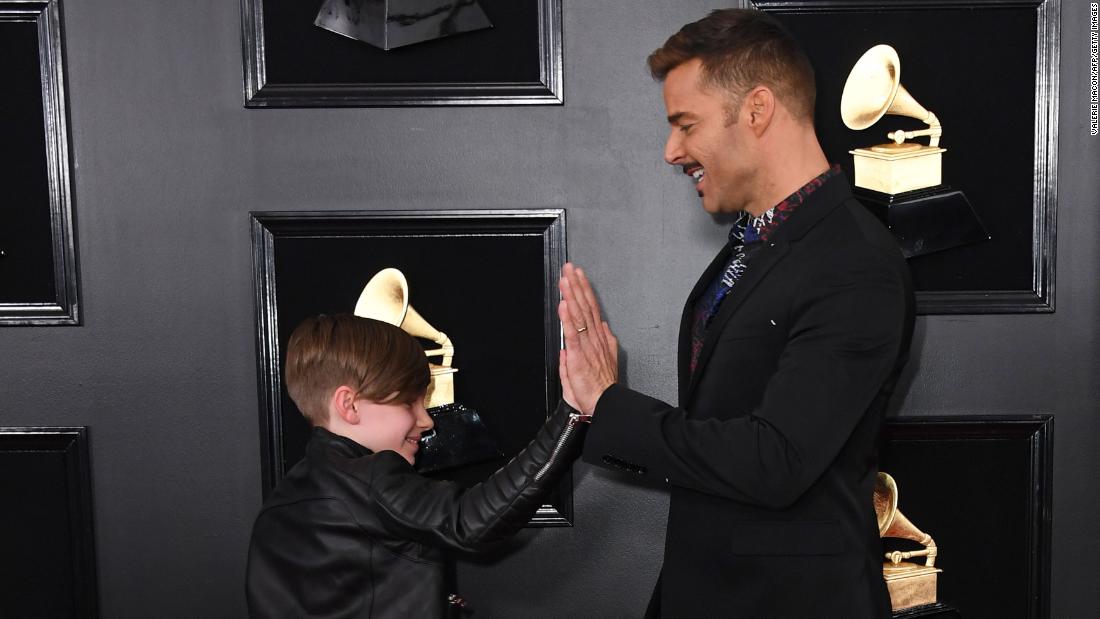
[168, 164]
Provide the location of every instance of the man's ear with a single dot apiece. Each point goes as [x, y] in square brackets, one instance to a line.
[342, 404]
[759, 108]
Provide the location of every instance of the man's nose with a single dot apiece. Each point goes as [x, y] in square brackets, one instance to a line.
[674, 151]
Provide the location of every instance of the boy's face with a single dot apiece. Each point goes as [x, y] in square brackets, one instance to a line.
[394, 426]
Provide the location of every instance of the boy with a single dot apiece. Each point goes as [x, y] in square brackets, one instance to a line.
[352, 530]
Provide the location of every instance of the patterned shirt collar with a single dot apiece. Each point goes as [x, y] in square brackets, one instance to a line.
[750, 229]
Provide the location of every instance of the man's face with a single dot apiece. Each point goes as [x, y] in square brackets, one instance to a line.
[706, 143]
[392, 426]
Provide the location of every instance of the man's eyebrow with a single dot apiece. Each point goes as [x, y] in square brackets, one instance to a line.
[677, 117]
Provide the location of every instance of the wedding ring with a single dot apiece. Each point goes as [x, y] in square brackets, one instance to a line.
[582, 329]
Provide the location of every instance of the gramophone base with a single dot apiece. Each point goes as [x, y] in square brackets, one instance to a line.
[927, 220]
[910, 585]
[878, 169]
[931, 611]
[441, 389]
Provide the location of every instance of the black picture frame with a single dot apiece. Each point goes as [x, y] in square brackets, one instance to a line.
[488, 278]
[49, 566]
[38, 267]
[981, 487]
[1000, 120]
[289, 62]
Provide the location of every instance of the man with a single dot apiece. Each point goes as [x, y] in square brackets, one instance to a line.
[790, 346]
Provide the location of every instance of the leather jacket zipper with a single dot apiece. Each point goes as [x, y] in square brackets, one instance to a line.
[570, 426]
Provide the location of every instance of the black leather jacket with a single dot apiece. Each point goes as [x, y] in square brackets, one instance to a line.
[351, 533]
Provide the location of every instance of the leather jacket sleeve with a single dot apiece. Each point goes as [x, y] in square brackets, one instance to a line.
[442, 514]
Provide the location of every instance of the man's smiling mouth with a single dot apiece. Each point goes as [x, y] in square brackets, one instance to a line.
[696, 172]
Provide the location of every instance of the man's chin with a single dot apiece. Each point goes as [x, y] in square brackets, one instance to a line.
[717, 210]
[714, 204]
[721, 214]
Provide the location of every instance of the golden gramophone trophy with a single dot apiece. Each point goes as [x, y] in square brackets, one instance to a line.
[909, 584]
[902, 181]
[460, 436]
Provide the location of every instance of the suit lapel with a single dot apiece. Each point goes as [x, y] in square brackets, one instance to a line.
[757, 269]
[819, 204]
[684, 357]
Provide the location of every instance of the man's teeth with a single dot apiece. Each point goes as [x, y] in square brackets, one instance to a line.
[698, 174]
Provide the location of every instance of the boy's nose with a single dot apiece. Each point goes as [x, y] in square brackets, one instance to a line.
[423, 419]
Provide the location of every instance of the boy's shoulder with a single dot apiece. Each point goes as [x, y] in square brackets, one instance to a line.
[346, 493]
[335, 467]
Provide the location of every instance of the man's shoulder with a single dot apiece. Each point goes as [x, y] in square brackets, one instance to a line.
[852, 231]
[848, 247]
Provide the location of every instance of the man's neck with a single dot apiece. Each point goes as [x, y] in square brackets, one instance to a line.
[800, 161]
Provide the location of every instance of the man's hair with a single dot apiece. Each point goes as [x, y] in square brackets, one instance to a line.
[741, 49]
[375, 358]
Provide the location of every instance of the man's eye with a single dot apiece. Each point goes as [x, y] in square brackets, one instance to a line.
[686, 128]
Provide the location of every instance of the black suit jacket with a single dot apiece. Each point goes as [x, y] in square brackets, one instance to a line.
[772, 455]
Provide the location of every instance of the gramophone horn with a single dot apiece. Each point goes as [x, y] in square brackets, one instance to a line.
[893, 523]
[874, 89]
[886, 501]
[386, 298]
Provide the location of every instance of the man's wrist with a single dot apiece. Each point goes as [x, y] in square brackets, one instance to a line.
[596, 401]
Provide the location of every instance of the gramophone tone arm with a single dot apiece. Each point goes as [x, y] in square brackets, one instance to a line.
[447, 352]
[446, 349]
[929, 553]
[934, 130]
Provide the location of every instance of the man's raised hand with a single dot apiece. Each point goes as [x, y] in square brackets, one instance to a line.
[590, 362]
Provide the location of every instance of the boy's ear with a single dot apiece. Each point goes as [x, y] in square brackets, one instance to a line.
[342, 404]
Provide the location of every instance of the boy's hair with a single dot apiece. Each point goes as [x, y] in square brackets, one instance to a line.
[741, 49]
[375, 358]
